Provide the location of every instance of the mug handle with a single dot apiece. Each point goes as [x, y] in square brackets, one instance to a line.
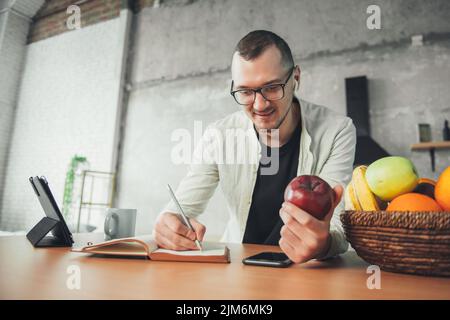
[111, 231]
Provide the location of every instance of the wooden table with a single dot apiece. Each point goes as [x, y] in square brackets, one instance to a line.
[41, 273]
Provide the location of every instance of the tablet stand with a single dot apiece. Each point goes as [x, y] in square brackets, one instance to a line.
[37, 235]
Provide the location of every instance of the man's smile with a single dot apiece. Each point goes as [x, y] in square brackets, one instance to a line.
[264, 114]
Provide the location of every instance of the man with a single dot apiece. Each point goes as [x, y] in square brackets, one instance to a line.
[306, 139]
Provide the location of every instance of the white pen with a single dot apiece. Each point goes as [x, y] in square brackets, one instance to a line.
[183, 216]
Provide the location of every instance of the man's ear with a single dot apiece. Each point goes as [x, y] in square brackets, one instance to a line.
[297, 73]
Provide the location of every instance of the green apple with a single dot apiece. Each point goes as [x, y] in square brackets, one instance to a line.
[390, 177]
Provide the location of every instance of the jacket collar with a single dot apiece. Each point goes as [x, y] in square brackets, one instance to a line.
[305, 157]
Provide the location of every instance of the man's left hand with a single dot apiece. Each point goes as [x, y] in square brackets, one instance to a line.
[303, 237]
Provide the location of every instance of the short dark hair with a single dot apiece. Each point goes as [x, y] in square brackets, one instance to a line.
[256, 42]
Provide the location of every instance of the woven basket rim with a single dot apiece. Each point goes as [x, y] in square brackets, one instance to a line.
[406, 219]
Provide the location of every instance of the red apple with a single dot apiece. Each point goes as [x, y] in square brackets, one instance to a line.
[310, 193]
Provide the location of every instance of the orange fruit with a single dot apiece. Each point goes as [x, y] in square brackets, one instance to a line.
[413, 202]
[442, 190]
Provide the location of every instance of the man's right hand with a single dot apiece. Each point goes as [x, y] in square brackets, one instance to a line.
[171, 233]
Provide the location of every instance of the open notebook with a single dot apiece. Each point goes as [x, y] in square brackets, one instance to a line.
[146, 246]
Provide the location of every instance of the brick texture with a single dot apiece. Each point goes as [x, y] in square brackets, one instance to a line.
[14, 29]
[141, 4]
[51, 19]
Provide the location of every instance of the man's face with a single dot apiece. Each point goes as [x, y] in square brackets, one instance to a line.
[264, 70]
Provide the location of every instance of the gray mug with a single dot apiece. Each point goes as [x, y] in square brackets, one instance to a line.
[120, 223]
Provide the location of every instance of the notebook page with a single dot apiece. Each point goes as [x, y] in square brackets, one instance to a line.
[209, 249]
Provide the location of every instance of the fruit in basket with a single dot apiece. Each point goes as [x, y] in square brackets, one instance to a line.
[358, 195]
[442, 190]
[425, 186]
[413, 202]
[350, 199]
[390, 177]
[310, 193]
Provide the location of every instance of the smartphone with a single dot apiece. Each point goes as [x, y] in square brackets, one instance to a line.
[268, 259]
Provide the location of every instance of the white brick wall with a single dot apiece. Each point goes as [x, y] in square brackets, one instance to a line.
[13, 35]
[67, 105]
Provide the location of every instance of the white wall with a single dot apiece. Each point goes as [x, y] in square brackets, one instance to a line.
[13, 35]
[67, 105]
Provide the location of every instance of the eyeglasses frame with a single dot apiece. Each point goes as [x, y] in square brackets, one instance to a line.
[259, 89]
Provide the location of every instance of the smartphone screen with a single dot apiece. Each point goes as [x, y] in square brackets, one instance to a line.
[269, 259]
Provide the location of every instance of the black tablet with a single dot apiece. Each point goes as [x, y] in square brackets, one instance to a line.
[54, 221]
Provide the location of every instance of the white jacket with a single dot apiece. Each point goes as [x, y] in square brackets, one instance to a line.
[327, 148]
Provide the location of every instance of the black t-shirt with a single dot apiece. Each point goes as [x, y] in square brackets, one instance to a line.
[264, 222]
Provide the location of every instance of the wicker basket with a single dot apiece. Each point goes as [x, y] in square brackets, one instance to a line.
[406, 242]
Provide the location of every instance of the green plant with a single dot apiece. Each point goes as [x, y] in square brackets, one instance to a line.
[68, 185]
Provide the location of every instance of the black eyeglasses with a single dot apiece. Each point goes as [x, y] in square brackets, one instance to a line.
[270, 92]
